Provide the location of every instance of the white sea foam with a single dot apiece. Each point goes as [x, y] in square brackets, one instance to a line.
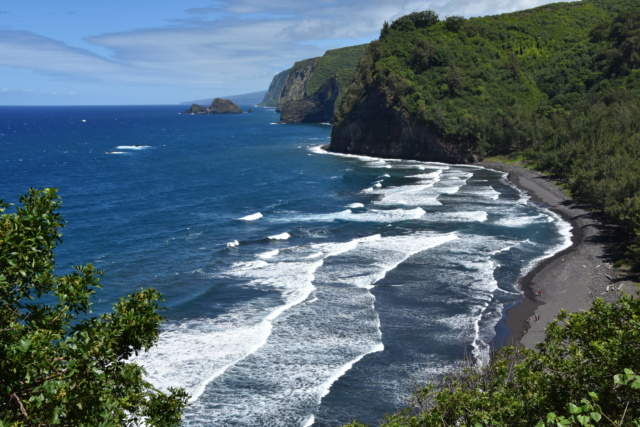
[469, 265]
[183, 355]
[355, 205]
[281, 236]
[293, 349]
[317, 149]
[524, 197]
[471, 216]
[523, 220]
[133, 147]
[372, 215]
[425, 192]
[251, 217]
[490, 193]
[389, 215]
[409, 195]
[233, 244]
[269, 254]
[308, 359]
[389, 252]
[565, 230]
[325, 387]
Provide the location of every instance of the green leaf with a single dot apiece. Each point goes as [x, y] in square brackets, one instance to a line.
[595, 416]
[584, 420]
[573, 409]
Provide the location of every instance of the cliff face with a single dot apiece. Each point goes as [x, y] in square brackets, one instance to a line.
[272, 96]
[317, 108]
[295, 85]
[373, 129]
[312, 87]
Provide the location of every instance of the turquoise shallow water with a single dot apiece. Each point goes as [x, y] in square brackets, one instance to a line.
[303, 287]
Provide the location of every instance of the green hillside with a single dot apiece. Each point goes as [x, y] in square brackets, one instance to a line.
[559, 83]
[339, 62]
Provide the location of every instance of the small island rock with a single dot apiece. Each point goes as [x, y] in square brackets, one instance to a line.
[218, 106]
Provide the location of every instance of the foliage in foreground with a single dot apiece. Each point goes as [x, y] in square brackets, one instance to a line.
[584, 373]
[59, 365]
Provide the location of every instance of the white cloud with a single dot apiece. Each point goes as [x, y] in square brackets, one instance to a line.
[27, 50]
[223, 47]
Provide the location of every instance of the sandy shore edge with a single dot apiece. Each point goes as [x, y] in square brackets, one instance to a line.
[571, 279]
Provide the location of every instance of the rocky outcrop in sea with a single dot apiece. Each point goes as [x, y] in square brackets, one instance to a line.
[218, 106]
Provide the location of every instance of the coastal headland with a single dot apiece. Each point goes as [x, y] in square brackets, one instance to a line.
[571, 279]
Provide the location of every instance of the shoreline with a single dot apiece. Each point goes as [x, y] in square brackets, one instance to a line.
[570, 279]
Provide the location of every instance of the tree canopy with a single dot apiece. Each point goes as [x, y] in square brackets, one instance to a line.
[59, 364]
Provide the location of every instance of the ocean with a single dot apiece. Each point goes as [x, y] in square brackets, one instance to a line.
[303, 288]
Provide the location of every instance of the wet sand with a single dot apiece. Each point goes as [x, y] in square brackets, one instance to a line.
[571, 279]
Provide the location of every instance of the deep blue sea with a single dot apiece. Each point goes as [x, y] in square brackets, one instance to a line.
[303, 288]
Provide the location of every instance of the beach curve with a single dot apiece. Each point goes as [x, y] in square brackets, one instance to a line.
[570, 279]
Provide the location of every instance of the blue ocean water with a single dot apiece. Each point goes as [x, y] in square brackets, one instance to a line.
[303, 288]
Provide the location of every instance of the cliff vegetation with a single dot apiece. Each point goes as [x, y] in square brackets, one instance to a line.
[559, 83]
[309, 91]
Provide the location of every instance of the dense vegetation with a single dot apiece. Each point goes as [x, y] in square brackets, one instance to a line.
[584, 373]
[559, 83]
[59, 365]
[340, 63]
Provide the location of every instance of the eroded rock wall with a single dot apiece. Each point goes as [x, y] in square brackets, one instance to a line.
[313, 109]
[296, 83]
[373, 129]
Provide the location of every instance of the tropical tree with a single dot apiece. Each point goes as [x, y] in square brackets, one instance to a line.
[59, 364]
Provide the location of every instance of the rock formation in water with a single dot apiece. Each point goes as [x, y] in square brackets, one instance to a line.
[218, 106]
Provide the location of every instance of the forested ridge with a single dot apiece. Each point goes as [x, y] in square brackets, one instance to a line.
[559, 84]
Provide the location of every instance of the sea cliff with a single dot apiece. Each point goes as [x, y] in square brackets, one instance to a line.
[312, 87]
[375, 129]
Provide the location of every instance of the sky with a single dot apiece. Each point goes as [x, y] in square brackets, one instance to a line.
[143, 52]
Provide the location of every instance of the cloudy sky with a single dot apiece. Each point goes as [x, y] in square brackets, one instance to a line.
[87, 52]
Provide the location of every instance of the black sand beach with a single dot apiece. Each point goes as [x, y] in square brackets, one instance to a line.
[571, 279]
